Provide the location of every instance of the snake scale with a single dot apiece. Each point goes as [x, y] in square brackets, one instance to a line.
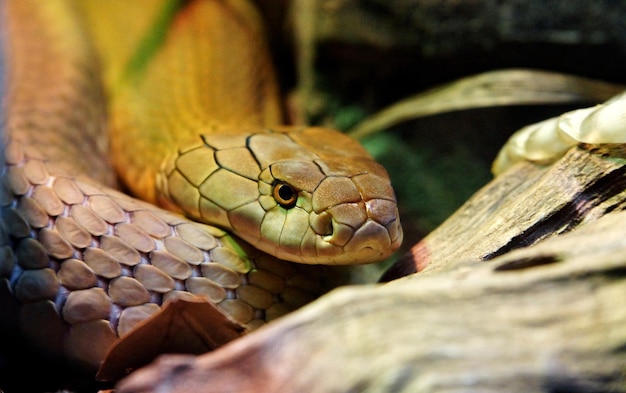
[95, 137]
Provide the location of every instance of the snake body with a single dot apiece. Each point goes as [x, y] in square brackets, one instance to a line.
[82, 263]
[546, 141]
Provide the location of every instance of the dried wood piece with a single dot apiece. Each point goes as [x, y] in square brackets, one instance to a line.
[521, 207]
[542, 319]
[543, 313]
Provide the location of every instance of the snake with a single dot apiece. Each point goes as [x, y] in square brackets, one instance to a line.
[595, 127]
[146, 157]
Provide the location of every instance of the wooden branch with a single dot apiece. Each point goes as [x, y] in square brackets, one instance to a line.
[544, 318]
[519, 208]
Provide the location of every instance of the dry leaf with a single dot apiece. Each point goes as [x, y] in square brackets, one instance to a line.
[491, 89]
[182, 326]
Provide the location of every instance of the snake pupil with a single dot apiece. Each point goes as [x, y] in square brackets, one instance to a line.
[285, 195]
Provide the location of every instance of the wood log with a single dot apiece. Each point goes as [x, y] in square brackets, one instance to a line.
[542, 312]
[526, 205]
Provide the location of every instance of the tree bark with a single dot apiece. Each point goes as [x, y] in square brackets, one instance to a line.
[522, 290]
[519, 208]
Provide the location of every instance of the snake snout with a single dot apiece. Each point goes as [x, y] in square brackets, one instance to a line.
[381, 233]
[356, 219]
[376, 238]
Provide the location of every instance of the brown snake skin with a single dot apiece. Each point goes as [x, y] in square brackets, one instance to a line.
[85, 260]
[81, 258]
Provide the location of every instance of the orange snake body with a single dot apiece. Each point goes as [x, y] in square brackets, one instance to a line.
[201, 114]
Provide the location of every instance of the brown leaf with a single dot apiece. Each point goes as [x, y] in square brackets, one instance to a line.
[491, 89]
[182, 326]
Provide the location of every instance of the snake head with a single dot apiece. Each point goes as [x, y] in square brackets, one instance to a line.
[309, 195]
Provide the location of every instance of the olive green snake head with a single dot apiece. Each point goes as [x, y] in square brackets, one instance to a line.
[309, 195]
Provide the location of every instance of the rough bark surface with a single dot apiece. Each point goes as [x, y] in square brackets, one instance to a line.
[528, 204]
[548, 317]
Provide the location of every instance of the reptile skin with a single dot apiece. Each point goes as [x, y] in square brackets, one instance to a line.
[94, 137]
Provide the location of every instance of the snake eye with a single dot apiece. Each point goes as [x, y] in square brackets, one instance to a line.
[285, 195]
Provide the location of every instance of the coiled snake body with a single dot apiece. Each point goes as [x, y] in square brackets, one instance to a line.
[188, 117]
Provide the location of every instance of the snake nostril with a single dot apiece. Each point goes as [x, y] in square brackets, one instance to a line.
[322, 223]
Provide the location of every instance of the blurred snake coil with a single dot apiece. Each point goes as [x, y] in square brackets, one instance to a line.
[141, 141]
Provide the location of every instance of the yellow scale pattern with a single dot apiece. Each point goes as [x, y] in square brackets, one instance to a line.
[102, 262]
[77, 256]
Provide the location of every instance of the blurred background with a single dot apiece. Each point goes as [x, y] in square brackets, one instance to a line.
[342, 61]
